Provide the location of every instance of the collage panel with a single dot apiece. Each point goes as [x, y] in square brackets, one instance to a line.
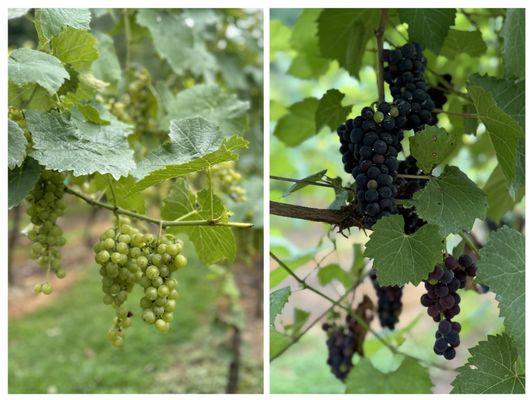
[135, 156]
[397, 208]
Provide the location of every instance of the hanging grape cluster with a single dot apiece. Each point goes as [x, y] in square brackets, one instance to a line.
[405, 76]
[230, 180]
[346, 339]
[46, 204]
[369, 146]
[438, 95]
[389, 302]
[126, 257]
[442, 300]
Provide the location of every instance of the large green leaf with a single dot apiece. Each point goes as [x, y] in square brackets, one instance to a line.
[212, 243]
[344, 33]
[499, 200]
[51, 21]
[22, 180]
[452, 201]
[308, 63]
[428, 26]
[400, 258]
[16, 145]
[431, 146]
[30, 97]
[278, 300]
[502, 268]
[175, 42]
[491, 369]
[410, 377]
[106, 67]
[68, 143]
[505, 133]
[458, 42]
[194, 145]
[513, 34]
[213, 104]
[33, 66]
[299, 123]
[75, 47]
[330, 111]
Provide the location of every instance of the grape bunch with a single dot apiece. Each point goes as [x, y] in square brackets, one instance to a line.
[437, 94]
[407, 187]
[369, 146]
[344, 340]
[442, 300]
[405, 76]
[160, 289]
[230, 180]
[46, 205]
[389, 304]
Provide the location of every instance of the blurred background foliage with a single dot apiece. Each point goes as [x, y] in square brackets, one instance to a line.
[299, 71]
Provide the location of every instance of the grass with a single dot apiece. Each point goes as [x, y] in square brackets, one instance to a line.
[63, 348]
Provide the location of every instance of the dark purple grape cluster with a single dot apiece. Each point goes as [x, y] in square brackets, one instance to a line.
[438, 95]
[369, 146]
[389, 305]
[442, 300]
[411, 219]
[342, 344]
[405, 75]
[407, 187]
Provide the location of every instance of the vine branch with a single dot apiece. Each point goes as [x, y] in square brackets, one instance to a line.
[379, 34]
[163, 223]
[344, 218]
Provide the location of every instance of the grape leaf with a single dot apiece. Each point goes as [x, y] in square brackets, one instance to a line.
[212, 243]
[452, 201]
[458, 42]
[333, 271]
[106, 67]
[91, 114]
[431, 146]
[213, 104]
[13, 13]
[300, 318]
[299, 123]
[278, 300]
[401, 258]
[30, 97]
[16, 145]
[75, 47]
[174, 41]
[278, 343]
[428, 26]
[508, 94]
[344, 33]
[195, 144]
[22, 180]
[304, 182]
[492, 368]
[133, 202]
[505, 133]
[51, 21]
[410, 377]
[308, 63]
[502, 268]
[33, 66]
[279, 37]
[68, 143]
[330, 111]
[499, 200]
[513, 34]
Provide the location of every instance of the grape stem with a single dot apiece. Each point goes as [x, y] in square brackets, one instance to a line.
[379, 34]
[359, 319]
[470, 243]
[120, 210]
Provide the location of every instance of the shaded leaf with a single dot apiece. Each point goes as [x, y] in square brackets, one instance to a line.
[428, 26]
[333, 271]
[459, 42]
[330, 111]
[75, 47]
[106, 67]
[21, 181]
[278, 343]
[431, 146]
[400, 258]
[299, 123]
[452, 201]
[16, 145]
[513, 34]
[499, 200]
[492, 368]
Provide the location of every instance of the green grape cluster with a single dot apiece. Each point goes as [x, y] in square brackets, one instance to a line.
[160, 289]
[229, 179]
[126, 257]
[46, 205]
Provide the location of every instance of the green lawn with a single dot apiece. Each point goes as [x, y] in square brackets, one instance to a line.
[63, 347]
